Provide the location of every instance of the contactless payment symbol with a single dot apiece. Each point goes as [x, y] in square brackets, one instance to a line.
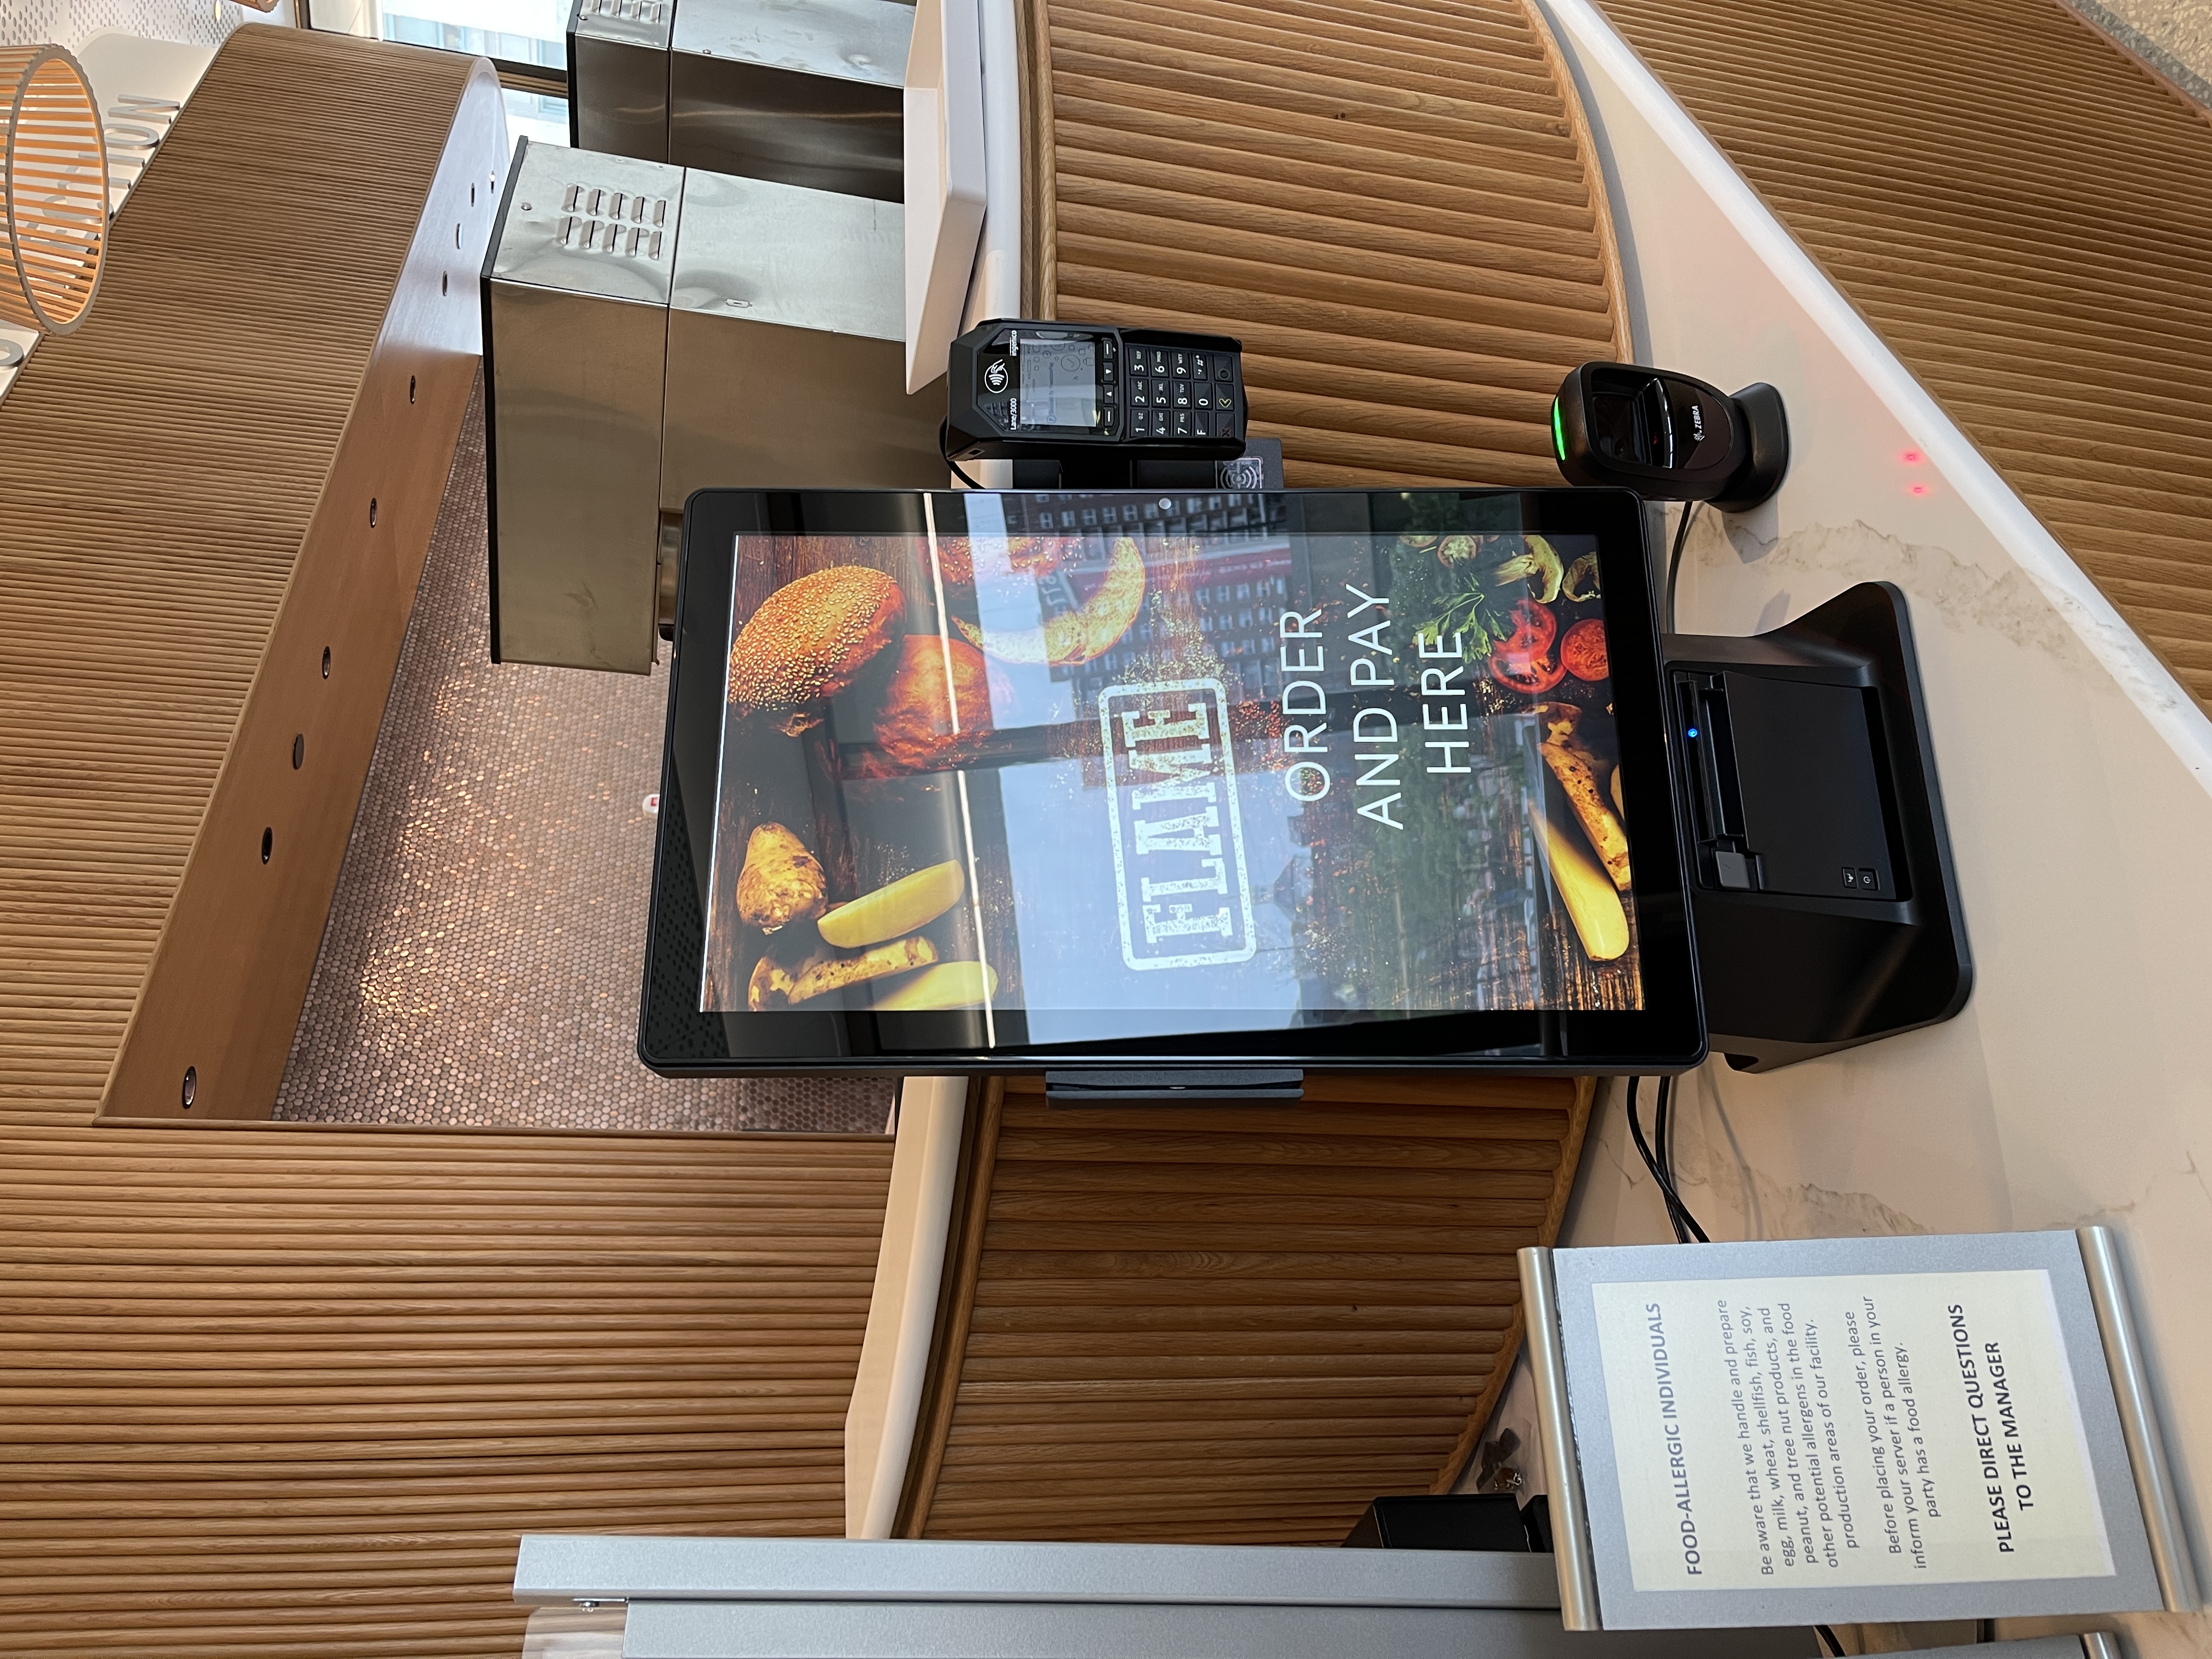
[994, 375]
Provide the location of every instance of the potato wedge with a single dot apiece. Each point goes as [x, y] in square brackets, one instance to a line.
[912, 901]
[774, 986]
[1577, 769]
[771, 987]
[1592, 904]
[948, 985]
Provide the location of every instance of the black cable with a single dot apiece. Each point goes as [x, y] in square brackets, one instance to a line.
[1685, 1224]
[1667, 1163]
[1666, 1160]
[944, 450]
[1675, 562]
[1828, 1640]
[1662, 1142]
[1650, 1161]
[1644, 1146]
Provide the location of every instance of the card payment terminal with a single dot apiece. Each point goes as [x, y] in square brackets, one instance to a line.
[1031, 390]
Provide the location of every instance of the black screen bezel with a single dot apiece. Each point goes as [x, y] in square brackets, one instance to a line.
[677, 1038]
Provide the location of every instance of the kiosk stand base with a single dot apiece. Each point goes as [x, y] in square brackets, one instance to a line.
[1169, 1087]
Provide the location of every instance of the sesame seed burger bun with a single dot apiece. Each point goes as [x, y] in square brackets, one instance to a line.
[810, 638]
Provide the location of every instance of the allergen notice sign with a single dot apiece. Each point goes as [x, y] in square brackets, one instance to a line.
[1854, 1431]
[1847, 1430]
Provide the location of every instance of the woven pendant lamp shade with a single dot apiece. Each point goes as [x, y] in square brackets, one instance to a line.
[53, 189]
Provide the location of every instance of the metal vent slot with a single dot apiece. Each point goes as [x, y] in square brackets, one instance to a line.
[603, 217]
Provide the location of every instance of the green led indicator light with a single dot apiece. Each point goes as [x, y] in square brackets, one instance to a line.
[1558, 431]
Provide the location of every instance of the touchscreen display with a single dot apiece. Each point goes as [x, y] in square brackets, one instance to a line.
[1060, 383]
[1280, 768]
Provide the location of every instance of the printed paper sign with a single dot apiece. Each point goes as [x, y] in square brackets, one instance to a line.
[1854, 1430]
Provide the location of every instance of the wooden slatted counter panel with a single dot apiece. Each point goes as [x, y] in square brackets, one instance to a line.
[214, 501]
[275, 1392]
[291, 1393]
[2025, 217]
[1237, 1324]
[1390, 203]
[1242, 1325]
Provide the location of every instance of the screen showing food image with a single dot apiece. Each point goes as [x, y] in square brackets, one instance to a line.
[1137, 766]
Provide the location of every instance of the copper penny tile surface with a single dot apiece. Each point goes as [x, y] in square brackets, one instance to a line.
[483, 958]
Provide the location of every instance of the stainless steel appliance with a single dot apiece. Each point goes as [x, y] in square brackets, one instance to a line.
[806, 92]
[785, 344]
[618, 74]
[575, 337]
[650, 331]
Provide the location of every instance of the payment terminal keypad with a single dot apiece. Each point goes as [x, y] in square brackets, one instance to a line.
[1179, 393]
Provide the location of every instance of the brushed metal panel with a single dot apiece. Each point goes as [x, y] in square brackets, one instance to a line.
[556, 1567]
[806, 93]
[778, 253]
[619, 93]
[630, 22]
[569, 225]
[761, 405]
[576, 382]
[863, 41]
[804, 1630]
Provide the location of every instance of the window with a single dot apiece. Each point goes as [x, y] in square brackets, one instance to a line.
[537, 116]
[526, 39]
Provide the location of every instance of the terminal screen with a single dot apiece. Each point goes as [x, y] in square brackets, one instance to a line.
[1060, 383]
[1127, 766]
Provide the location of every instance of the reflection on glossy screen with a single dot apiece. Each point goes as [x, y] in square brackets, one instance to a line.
[1060, 383]
[1145, 766]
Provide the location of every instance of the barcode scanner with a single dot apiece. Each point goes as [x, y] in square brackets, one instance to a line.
[1668, 437]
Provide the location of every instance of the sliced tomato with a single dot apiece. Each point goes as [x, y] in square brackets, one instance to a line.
[1522, 661]
[1583, 650]
[1532, 675]
[1535, 628]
